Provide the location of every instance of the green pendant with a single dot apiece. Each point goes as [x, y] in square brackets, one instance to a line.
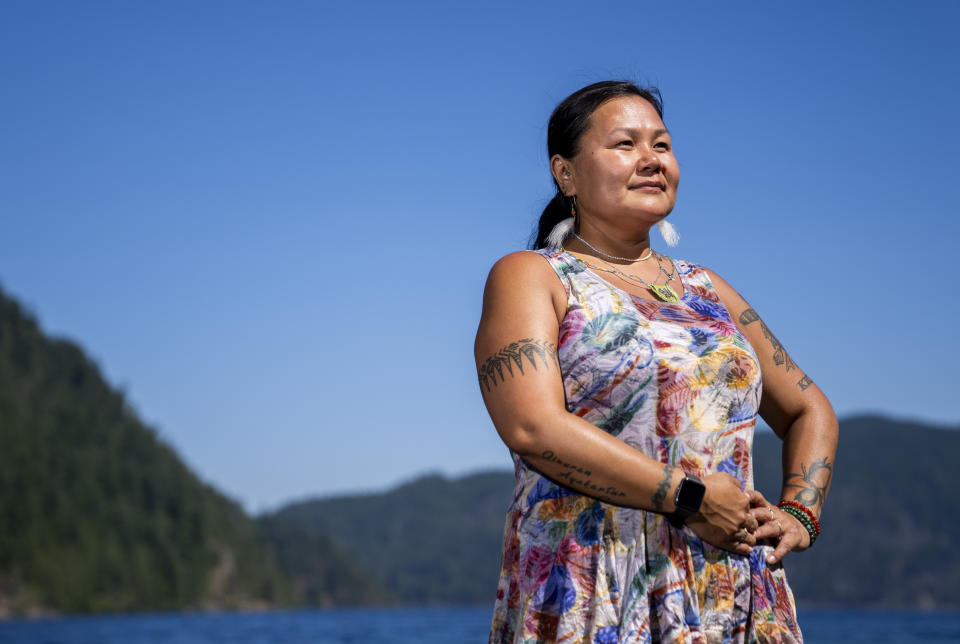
[664, 292]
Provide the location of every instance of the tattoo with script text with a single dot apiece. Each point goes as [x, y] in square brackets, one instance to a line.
[662, 488]
[811, 482]
[580, 477]
[493, 371]
[549, 456]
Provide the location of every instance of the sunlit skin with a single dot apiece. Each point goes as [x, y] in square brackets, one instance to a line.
[624, 176]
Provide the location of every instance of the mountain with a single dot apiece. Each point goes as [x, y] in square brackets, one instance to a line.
[430, 541]
[98, 513]
[888, 526]
[891, 520]
[322, 572]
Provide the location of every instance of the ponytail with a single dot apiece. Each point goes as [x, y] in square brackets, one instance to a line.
[556, 211]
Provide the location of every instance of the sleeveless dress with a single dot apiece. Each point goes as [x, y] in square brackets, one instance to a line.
[679, 382]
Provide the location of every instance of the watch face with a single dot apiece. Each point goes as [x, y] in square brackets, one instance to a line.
[690, 494]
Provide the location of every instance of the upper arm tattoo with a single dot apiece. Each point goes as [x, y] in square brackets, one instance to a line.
[494, 369]
[811, 482]
[748, 317]
[780, 355]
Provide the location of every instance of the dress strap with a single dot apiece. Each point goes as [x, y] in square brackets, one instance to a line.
[562, 263]
[696, 280]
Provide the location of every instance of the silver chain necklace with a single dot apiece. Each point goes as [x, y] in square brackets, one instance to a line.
[663, 292]
[645, 255]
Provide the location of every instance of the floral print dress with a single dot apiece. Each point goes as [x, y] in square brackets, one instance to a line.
[679, 382]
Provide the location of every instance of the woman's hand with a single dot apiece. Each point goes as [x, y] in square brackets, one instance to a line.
[778, 526]
[725, 519]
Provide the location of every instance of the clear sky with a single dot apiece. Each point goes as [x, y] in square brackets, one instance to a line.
[270, 223]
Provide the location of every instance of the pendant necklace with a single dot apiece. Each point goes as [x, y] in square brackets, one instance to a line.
[663, 292]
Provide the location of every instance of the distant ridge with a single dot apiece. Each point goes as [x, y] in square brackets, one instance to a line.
[97, 514]
[891, 522]
[429, 541]
[889, 526]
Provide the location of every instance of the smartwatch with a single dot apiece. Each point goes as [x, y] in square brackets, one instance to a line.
[688, 499]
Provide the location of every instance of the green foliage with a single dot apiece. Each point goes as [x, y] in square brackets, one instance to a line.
[97, 513]
[888, 527]
[890, 521]
[323, 573]
[431, 541]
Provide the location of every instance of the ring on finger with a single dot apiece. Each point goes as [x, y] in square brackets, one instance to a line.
[779, 525]
[741, 535]
[772, 515]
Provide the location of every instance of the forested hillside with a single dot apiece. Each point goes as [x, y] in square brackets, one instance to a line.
[891, 522]
[888, 529]
[98, 514]
[430, 541]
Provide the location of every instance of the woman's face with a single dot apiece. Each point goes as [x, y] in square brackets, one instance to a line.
[625, 173]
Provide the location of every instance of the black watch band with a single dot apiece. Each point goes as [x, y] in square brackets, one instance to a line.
[687, 500]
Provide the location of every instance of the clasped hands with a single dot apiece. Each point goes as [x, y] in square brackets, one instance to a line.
[735, 520]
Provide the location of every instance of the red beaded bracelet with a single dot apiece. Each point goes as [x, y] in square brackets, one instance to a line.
[806, 511]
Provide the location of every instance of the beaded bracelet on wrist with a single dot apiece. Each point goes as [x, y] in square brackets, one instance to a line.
[803, 514]
[805, 510]
[806, 518]
[804, 522]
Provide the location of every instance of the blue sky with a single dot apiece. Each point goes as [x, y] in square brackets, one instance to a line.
[270, 223]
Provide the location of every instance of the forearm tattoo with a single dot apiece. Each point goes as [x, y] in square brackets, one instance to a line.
[493, 371]
[811, 483]
[582, 478]
[780, 355]
[662, 488]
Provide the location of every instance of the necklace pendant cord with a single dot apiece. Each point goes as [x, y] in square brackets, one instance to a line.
[673, 269]
[663, 292]
[666, 282]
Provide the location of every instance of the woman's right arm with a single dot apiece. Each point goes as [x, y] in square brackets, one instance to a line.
[521, 384]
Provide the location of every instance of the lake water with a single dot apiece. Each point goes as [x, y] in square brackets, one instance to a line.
[409, 626]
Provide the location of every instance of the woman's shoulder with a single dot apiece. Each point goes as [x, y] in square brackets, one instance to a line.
[520, 261]
[526, 272]
[527, 264]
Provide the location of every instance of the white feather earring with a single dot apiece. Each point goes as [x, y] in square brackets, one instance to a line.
[560, 232]
[668, 232]
[564, 227]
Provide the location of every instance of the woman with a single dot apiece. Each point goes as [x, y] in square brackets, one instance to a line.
[626, 386]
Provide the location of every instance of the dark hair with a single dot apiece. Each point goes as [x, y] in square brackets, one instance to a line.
[567, 124]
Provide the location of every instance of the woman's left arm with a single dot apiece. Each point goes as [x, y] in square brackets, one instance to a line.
[800, 414]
